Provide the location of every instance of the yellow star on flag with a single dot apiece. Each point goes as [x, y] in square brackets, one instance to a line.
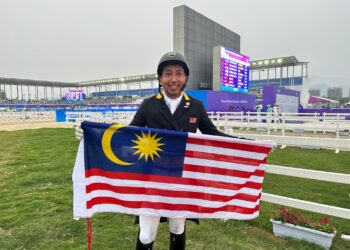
[147, 145]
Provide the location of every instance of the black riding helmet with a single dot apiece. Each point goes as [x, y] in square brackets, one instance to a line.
[172, 58]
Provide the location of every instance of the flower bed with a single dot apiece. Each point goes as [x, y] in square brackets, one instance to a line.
[290, 223]
[302, 233]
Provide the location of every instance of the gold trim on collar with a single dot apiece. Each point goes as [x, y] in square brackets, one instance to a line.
[186, 97]
[160, 96]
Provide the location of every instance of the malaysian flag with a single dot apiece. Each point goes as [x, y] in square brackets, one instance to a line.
[144, 171]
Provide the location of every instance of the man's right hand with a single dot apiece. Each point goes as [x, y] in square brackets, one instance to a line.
[79, 132]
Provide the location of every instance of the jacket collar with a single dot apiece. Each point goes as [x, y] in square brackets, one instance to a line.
[185, 96]
[165, 111]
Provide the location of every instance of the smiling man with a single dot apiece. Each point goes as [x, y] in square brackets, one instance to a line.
[171, 109]
[172, 80]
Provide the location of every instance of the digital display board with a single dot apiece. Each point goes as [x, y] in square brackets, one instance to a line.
[74, 94]
[234, 71]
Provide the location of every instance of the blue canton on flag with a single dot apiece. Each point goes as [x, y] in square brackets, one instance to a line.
[119, 148]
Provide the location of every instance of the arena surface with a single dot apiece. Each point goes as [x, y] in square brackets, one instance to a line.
[12, 126]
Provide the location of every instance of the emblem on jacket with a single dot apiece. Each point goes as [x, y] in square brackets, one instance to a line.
[193, 119]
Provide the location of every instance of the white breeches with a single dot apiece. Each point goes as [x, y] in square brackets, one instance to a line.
[149, 227]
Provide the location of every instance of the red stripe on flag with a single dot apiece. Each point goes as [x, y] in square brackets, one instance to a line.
[168, 206]
[230, 145]
[169, 193]
[223, 158]
[223, 171]
[170, 179]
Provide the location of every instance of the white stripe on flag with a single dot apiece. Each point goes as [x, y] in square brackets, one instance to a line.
[169, 186]
[168, 213]
[170, 200]
[225, 151]
[221, 164]
[221, 178]
[229, 139]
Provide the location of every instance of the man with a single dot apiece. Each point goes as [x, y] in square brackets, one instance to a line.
[170, 109]
[258, 113]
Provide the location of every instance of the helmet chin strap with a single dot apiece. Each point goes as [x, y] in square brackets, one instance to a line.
[159, 87]
[184, 86]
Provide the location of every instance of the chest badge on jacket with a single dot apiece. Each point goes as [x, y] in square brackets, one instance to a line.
[193, 119]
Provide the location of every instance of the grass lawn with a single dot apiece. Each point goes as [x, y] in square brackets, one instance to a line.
[36, 200]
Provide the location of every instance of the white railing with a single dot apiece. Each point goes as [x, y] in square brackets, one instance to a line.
[307, 205]
[300, 140]
[335, 125]
[10, 117]
[296, 122]
[108, 117]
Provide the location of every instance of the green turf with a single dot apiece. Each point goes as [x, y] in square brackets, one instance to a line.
[36, 200]
[322, 159]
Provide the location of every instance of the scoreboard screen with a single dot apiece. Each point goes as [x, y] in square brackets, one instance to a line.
[75, 94]
[234, 71]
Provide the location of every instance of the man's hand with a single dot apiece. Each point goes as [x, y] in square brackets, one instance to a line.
[271, 142]
[79, 132]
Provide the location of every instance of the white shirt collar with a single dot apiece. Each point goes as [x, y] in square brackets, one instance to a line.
[172, 103]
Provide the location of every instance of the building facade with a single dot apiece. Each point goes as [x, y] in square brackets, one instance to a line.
[195, 36]
[334, 93]
[315, 92]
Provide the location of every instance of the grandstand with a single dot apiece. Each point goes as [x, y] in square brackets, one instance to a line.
[286, 72]
[35, 94]
[27, 89]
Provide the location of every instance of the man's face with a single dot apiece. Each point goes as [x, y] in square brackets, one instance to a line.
[173, 79]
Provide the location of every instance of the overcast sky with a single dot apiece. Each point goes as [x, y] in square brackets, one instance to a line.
[79, 40]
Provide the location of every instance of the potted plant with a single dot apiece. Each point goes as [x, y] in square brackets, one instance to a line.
[290, 223]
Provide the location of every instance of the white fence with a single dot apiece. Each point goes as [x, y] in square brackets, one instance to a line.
[108, 117]
[10, 117]
[307, 205]
[297, 122]
[339, 124]
[302, 141]
[332, 128]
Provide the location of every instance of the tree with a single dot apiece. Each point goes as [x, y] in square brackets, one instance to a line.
[344, 100]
